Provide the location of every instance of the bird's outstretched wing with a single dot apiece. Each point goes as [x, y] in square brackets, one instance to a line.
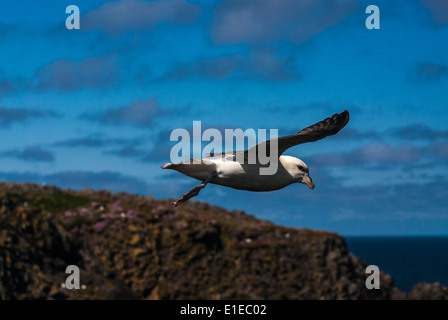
[317, 131]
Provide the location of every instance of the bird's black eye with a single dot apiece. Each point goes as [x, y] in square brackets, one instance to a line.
[301, 168]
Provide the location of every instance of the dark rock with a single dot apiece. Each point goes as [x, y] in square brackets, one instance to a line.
[134, 247]
[427, 291]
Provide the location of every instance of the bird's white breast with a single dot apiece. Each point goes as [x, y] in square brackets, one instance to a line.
[247, 176]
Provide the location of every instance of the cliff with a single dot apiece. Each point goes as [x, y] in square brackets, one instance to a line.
[134, 247]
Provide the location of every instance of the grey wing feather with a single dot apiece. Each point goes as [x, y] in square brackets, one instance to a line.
[320, 130]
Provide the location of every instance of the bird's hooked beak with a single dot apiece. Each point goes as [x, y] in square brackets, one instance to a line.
[307, 180]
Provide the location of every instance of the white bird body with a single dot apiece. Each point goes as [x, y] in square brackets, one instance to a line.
[243, 176]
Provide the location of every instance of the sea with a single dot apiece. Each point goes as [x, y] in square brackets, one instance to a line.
[409, 260]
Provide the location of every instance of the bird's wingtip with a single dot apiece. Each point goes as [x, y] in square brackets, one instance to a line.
[344, 114]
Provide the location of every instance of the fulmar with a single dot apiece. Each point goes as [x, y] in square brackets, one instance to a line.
[225, 168]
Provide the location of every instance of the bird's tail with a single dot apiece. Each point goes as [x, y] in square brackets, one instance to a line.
[168, 166]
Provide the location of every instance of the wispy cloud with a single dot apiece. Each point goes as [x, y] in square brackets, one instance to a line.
[32, 154]
[207, 68]
[127, 152]
[9, 116]
[7, 86]
[158, 154]
[421, 200]
[140, 113]
[258, 64]
[124, 15]
[418, 132]
[412, 198]
[95, 141]
[355, 134]
[265, 21]
[430, 71]
[71, 75]
[439, 148]
[439, 10]
[375, 153]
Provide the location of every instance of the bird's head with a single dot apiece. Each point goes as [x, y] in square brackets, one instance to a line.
[298, 170]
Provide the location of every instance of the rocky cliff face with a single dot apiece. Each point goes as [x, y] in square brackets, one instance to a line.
[133, 247]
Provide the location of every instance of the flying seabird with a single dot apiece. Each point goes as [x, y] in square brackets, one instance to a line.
[224, 169]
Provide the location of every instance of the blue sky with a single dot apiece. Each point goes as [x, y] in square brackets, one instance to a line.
[93, 108]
